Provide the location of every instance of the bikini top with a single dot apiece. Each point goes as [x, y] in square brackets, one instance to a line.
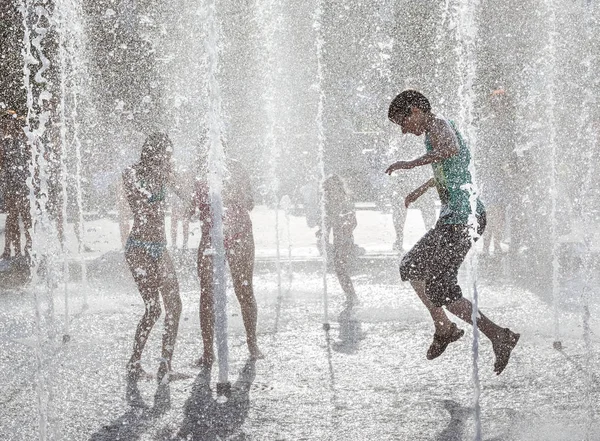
[141, 186]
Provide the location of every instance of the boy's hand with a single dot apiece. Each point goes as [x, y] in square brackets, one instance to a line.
[399, 165]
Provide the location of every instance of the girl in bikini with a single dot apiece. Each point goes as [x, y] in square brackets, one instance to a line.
[239, 251]
[147, 256]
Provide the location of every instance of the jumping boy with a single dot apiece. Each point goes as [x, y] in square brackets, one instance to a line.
[432, 264]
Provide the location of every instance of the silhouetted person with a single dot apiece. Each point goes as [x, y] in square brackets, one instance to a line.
[181, 213]
[16, 160]
[145, 185]
[497, 147]
[340, 221]
[432, 264]
[239, 252]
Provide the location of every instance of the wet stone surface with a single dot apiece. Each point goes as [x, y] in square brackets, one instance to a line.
[366, 378]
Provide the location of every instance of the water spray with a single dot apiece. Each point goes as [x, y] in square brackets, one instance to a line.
[319, 41]
[216, 171]
[466, 36]
[35, 125]
[550, 56]
[267, 17]
[586, 131]
[61, 19]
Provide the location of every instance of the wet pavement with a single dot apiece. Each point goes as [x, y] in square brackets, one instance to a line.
[367, 378]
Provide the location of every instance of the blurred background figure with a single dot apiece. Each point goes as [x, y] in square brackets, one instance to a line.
[148, 259]
[180, 211]
[15, 161]
[55, 174]
[426, 204]
[340, 221]
[124, 214]
[310, 202]
[497, 169]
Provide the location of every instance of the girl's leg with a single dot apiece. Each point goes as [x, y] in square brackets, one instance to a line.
[207, 314]
[9, 235]
[241, 262]
[145, 273]
[27, 225]
[399, 212]
[174, 222]
[494, 229]
[186, 230]
[169, 288]
[341, 257]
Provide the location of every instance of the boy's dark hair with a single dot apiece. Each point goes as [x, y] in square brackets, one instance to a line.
[409, 98]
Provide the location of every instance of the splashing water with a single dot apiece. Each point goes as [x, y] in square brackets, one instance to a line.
[321, 151]
[466, 36]
[35, 17]
[550, 56]
[267, 15]
[216, 167]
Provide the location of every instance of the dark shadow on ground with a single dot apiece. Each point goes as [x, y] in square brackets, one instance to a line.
[128, 427]
[592, 377]
[350, 332]
[136, 421]
[459, 416]
[205, 418]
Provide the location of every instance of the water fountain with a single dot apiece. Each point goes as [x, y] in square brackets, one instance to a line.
[321, 156]
[466, 66]
[70, 56]
[35, 22]
[268, 17]
[273, 82]
[216, 167]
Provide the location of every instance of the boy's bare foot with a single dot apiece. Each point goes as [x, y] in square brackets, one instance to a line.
[503, 347]
[441, 341]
